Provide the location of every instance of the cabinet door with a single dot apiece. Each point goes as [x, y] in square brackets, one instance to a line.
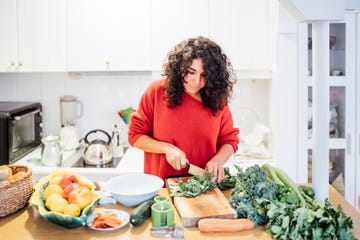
[8, 33]
[341, 107]
[174, 21]
[41, 35]
[242, 29]
[108, 35]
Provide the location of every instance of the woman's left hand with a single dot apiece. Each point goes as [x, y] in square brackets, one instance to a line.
[216, 169]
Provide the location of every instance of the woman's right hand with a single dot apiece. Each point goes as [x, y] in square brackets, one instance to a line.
[176, 158]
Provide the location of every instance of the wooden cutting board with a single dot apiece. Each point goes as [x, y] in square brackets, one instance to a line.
[210, 204]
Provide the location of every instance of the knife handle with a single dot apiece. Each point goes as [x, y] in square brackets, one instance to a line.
[187, 165]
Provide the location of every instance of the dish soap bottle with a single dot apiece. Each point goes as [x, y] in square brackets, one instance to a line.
[117, 148]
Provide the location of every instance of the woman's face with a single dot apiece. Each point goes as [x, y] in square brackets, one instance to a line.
[195, 80]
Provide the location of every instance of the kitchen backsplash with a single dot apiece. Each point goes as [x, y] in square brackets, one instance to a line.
[103, 93]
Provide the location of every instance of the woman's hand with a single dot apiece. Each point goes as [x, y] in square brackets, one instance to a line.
[217, 169]
[176, 158]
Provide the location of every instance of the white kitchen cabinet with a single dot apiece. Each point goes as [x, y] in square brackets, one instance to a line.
[33, 36]
[174, 21]
[108, 35]
[8, 33]
[342, 106]
[244, 30]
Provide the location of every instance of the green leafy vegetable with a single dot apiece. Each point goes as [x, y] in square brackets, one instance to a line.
[252, 193]
[197, 185]
[309, 218]
[268, 196]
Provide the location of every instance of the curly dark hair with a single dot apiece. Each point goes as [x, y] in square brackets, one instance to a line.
[218, 72]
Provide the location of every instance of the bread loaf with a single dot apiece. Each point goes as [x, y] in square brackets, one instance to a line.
[5, 172]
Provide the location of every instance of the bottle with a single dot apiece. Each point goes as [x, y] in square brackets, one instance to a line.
[117, 148]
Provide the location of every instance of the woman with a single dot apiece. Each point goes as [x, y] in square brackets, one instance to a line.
[185, 116]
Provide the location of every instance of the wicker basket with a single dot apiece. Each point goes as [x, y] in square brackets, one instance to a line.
[15, 195]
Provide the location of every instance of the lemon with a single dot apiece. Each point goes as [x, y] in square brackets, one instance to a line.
[59, 172]
[52, 189]
[58, 205]
[55, 180]
[50, 199]
[84, 181]
[72, 209]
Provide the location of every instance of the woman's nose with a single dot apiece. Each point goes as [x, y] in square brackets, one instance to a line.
[196, 79]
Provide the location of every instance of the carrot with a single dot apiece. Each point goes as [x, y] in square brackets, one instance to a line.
[103, 220]
[224, 225]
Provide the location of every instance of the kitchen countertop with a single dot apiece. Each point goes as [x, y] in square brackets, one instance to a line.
[27, 224]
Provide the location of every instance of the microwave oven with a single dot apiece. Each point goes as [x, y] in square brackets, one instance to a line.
[20, 129]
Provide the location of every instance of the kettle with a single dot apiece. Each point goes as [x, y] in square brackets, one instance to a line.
[97, 152]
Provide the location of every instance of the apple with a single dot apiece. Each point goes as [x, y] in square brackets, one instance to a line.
[69, 188]
[81, 196]
[67, 179]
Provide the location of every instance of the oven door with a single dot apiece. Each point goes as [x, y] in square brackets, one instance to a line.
[24, 134]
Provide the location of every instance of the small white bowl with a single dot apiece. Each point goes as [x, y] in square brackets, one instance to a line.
[132, 189]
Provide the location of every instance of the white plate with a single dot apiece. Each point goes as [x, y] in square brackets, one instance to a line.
[122, 215]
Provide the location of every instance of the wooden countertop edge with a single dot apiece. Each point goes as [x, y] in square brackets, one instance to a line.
[30, 225]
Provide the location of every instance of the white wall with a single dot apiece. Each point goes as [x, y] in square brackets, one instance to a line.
[284, 96]
[101, 94]
[104, 93]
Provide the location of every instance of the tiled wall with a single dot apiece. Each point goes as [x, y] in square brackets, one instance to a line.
[102, 94]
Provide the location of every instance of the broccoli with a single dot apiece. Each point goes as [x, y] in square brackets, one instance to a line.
[252, 193]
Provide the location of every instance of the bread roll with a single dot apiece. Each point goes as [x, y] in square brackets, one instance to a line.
[5, 172]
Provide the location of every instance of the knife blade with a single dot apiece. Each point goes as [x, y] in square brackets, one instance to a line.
[195, 170]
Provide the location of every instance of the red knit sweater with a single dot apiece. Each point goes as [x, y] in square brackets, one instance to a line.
[190, 127]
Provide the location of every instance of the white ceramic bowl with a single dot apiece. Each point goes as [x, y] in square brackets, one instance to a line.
[133, 189]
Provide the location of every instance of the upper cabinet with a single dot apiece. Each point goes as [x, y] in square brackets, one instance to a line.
[243, 29]
[130, 35]
[108, 35]
[33, 36]
[8, 33]
[174, 21]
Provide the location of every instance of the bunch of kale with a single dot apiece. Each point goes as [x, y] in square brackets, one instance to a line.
[268, 196]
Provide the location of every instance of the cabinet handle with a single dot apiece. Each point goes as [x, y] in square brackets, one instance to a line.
[107, 63]
[12, 63]
[348, 143]
[20, 64]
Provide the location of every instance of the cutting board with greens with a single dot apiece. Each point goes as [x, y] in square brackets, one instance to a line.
[196, 197]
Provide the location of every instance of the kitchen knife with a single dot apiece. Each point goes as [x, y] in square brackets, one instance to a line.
[195, 170]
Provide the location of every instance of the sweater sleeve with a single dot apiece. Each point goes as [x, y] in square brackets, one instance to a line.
[141, 121]
[228, 133]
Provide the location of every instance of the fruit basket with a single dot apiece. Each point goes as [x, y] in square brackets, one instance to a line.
[15, 193]
[65, 220]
